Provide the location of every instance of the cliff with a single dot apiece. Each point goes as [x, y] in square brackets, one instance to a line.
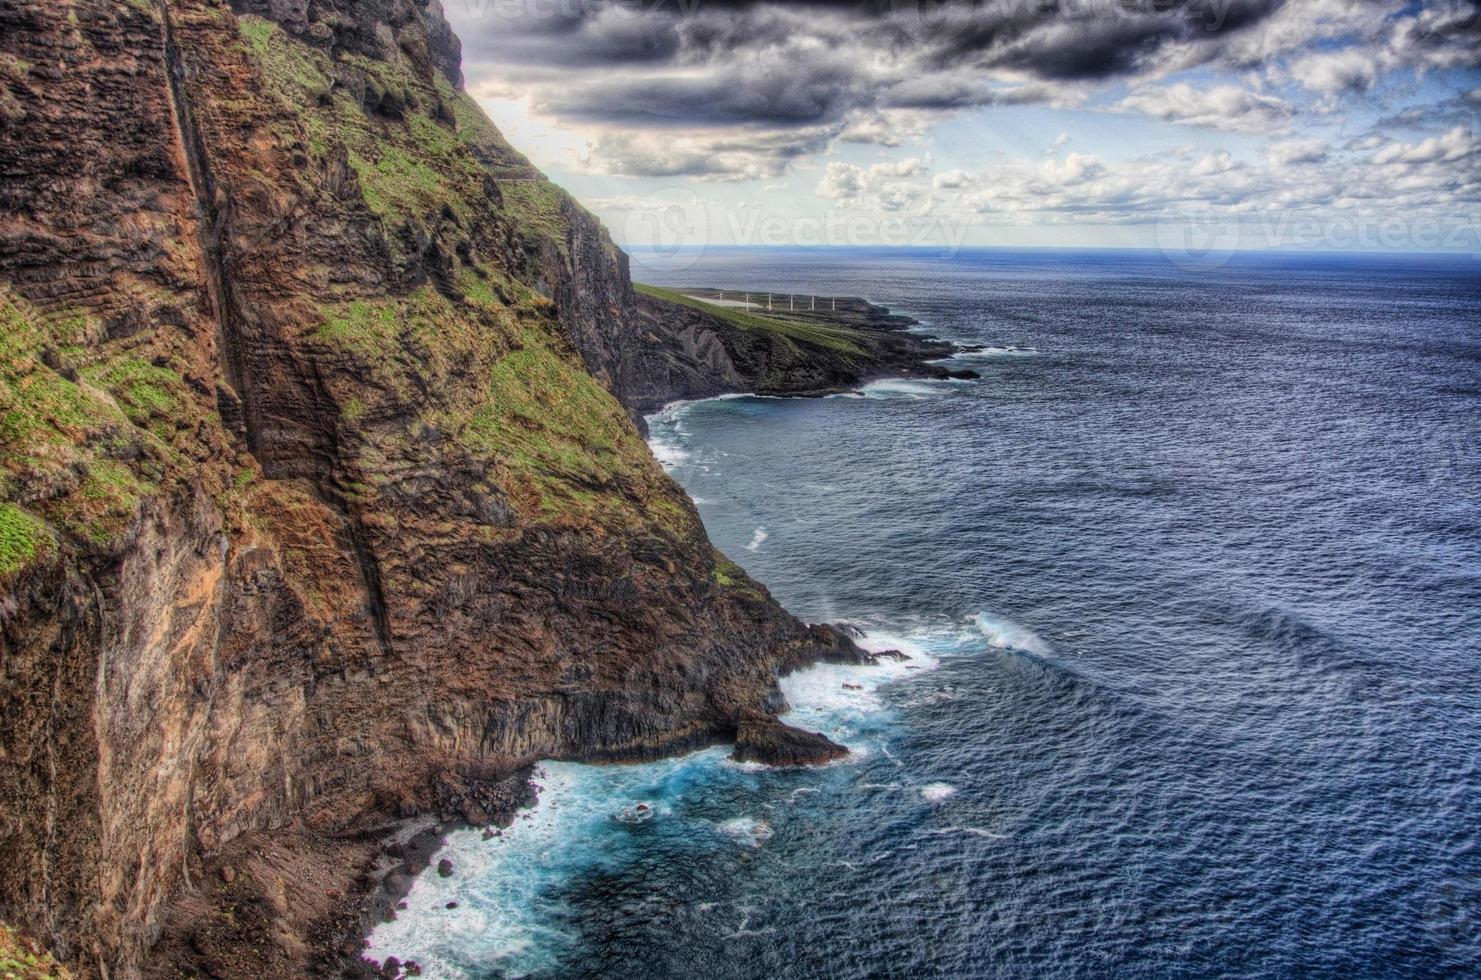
[321, 510]
[805, 346]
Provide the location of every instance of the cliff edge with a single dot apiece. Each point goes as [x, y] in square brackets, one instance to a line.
[321, 508]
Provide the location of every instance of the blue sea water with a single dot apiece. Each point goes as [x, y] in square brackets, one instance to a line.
[1192, 580]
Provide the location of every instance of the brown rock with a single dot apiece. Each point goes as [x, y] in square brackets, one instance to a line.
[762, 738]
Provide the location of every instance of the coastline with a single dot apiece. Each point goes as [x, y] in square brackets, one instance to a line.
[813, 690]
[704, 351]
[389, 860]
[581, 799]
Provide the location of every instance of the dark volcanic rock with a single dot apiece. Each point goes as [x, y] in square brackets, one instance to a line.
[737, 360]
[763, 738]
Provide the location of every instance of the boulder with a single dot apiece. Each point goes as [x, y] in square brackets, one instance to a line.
[762, 738]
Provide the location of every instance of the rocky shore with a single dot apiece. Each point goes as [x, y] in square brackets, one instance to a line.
[703, 342]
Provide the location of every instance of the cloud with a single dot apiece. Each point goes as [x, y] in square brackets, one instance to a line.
[1458, 144]
[713, 156]
[1293, 152]
[847, 182]
[842, 182]
[875, 71]
[1075, 168]
[1214, 163]
[888, 127]
[1434, 179]
[746, 89]
[1226, 107]
[952, 180]
[1333, 73]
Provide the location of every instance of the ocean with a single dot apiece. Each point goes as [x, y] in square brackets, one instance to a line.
[1191, 579]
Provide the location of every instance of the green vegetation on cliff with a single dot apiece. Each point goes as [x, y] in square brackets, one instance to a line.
[729, 575]
[835, 339]
[22, 537]
[80, 447]
[481, 357]
[431, 148]
[21, 959]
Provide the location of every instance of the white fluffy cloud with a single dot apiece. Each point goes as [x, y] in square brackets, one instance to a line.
[953, 180]
[1226, 107]
[847, 182]
[1454, 146]
[1334, 72]
[1434, 179]
[1291, 152]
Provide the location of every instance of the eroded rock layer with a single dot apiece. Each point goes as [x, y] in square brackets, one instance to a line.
[312, 501]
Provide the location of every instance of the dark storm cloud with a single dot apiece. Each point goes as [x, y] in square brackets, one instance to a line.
[1074, 38]
[801, 88]
[672, 63]
[779, 77]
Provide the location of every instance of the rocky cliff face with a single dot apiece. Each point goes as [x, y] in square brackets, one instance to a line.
[810, 346]
[312, 505]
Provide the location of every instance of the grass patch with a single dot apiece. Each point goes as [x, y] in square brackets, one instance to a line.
[360, 323]
[13, 67]
[284, 61]
[729, 575]
[61, 440]
[839, 339]
[21, 959]
[22, 538]
[539, 206]
[142, 389]
[493, 374]
[564, 444]
[397, 184]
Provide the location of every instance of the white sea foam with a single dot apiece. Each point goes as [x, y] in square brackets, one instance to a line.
[747, 831]
[666, 435]
[844, 701]
[509, 888]
[758, 539]
[990, 353]
[669, 454]
[937, 792]
[1008, 635]
[902, 388]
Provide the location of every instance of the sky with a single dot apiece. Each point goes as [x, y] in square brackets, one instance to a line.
[1201, 125]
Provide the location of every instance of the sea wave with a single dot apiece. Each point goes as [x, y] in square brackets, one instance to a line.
[508, 889]
[905, 388]
[1005, 634]
[937, 792]
[990, 353]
